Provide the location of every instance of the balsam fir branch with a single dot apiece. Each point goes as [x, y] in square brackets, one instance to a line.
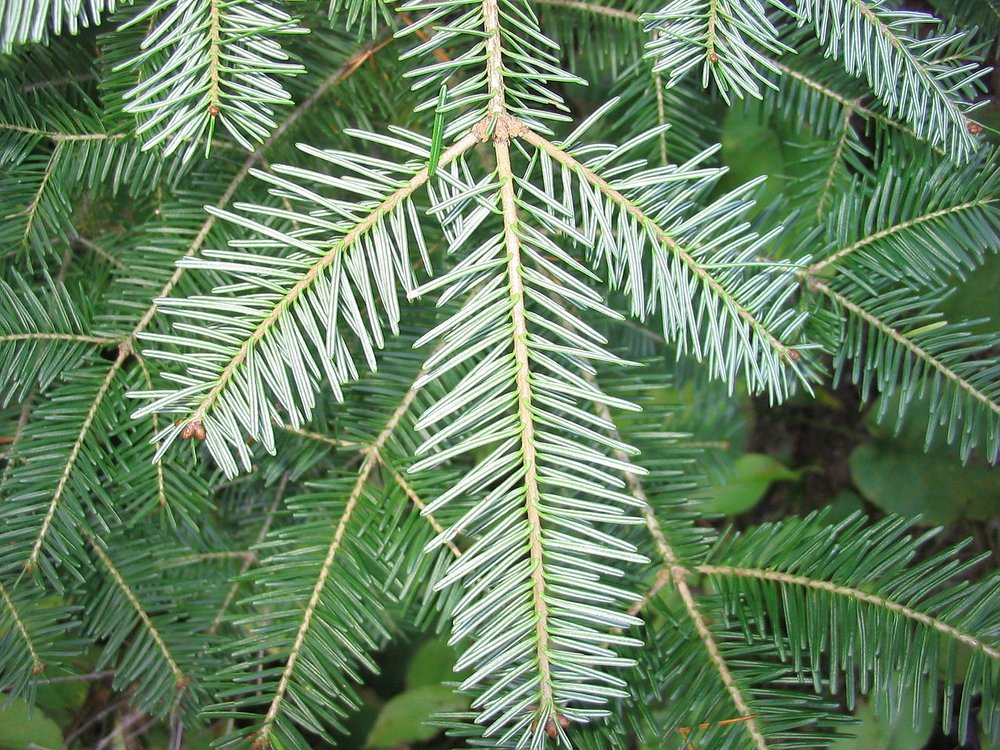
[213, 63]
[270, 411]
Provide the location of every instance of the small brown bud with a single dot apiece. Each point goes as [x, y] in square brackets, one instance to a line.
[563, 722]
[793, 355]
[974, 127]
[550, 729]
[38, 669]
[213, 111]
[713, 58]
[181, 683]
[188, 432]
[199, 430]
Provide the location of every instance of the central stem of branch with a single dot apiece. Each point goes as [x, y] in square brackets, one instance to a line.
[494, 58]
[531, 493]
[500, 127]
[214, 56]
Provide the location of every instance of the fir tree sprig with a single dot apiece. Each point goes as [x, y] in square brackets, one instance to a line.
[296, 486]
